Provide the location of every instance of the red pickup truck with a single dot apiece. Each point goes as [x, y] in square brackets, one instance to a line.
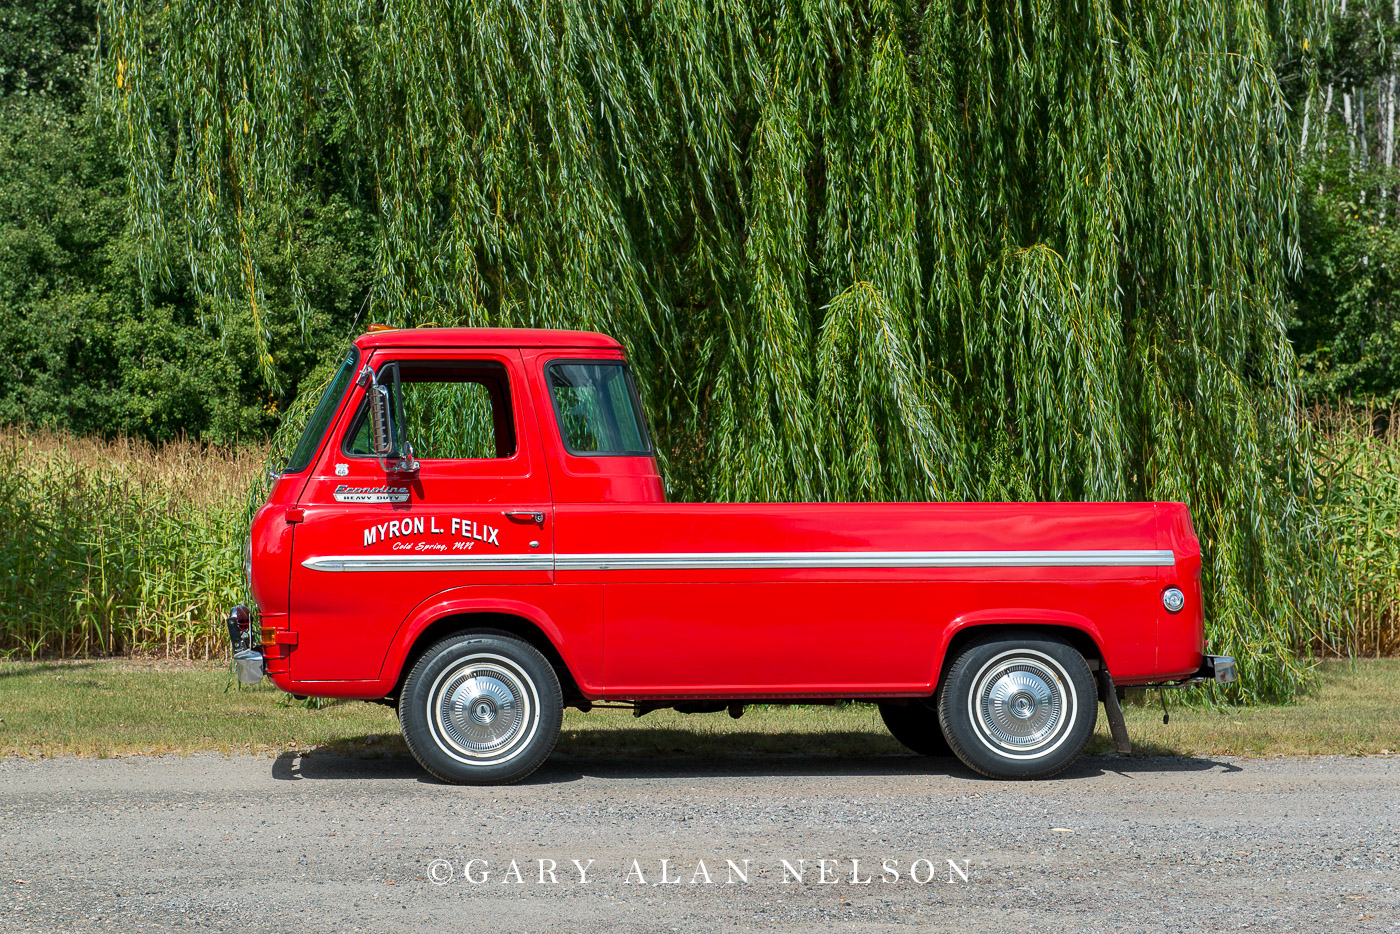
[473, 529]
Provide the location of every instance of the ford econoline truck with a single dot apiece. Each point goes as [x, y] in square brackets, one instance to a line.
[473, 529]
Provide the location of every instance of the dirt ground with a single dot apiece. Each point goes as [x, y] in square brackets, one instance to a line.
[326, 843]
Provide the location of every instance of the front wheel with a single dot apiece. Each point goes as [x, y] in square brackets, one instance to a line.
[1018, 705]
[481, 709]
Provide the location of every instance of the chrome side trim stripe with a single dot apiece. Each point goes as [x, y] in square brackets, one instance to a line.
[740, 560]
[866, 559]
[430, 563]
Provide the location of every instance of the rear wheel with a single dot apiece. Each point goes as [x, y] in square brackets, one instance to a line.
[1018, 705]
[915, 724]
[481, 709]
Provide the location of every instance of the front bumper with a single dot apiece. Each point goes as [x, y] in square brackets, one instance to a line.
[247, 655]
[250, 665]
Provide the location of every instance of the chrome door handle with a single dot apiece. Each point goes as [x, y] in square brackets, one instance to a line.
[525, 517]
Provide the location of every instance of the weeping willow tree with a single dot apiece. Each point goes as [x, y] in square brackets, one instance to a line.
[858, 251]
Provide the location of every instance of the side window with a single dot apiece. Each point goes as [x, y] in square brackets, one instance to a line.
[596, 406]
[452, 410]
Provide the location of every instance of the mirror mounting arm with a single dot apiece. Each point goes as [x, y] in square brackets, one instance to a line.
[407, 464]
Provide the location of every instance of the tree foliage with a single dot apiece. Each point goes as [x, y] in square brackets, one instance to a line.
[858, 251]
[86, 343]
[1346, 321]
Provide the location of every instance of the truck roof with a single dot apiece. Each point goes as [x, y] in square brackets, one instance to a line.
[485, 337]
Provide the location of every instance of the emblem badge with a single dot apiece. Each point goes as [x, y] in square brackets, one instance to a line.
[371, 494]
[342, 469]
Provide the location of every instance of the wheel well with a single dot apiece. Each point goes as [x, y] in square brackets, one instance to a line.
[1082, 642]
[500, 622]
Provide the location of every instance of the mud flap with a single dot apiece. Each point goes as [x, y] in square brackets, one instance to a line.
[1116, 724]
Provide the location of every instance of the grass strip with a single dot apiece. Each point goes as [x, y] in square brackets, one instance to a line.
[128, 707]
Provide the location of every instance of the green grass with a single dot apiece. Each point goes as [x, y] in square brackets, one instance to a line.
[1352, 711]
[121, 707]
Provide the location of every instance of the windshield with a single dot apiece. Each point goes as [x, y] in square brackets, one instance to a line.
[321, 417]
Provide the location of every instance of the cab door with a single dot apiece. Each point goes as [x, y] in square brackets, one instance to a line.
[378, 538]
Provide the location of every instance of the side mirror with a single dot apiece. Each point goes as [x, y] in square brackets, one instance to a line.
[381, 424]
[384, 420]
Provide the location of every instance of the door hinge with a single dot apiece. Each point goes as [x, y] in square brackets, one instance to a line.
[295, 514]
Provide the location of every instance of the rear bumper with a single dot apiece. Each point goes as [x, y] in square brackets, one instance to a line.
[1217, 668]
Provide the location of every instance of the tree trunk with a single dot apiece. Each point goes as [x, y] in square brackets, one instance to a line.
[1390, 121]
[1362, 143]
[1307, 113]
[1350, 124]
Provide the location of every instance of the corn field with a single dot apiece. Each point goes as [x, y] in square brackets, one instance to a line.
[857, 251]
[1361, 465]
[123, 548]
[119, 548]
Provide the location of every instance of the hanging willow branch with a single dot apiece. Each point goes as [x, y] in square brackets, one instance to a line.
[858, 251]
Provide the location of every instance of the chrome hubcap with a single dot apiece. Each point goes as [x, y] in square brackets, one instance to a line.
[1021, 704]
[483, 710]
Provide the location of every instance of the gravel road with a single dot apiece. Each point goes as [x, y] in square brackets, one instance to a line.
[322, 843]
